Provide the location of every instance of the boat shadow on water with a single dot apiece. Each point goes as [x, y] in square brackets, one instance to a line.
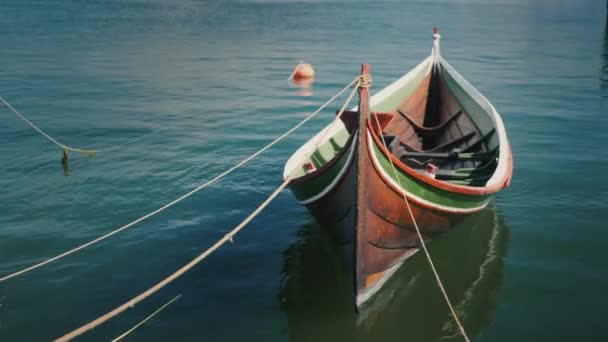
[316, 291]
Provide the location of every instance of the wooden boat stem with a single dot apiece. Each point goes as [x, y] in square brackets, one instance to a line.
[362, 188]
[436, 46]
[364, 110]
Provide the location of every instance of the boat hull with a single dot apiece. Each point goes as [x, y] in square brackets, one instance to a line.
[390, 205]
[368, 216]
[379, 209]
[369, 219]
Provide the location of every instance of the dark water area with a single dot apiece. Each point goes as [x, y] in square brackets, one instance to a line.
[174, 93]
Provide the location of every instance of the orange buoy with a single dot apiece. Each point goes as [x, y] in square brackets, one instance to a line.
[303, 71]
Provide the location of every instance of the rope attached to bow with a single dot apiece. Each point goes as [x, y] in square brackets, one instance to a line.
[64, 148]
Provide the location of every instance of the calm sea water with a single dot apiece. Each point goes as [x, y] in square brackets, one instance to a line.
[175, 92]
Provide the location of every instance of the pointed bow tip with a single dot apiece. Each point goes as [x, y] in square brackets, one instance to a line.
[436, 34]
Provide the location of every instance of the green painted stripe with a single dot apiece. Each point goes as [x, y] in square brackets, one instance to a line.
[326, 152]
[426, 191]
[315, 185]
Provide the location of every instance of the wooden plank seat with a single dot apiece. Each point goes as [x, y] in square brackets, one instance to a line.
[482, 171]
[427, 132]
[480, 141]
[475, 176]
[463, 176]
[454, 154]
[443, 147]
[420, 159]
[446, 152]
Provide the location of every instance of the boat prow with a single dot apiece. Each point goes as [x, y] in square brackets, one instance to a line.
[427, 150]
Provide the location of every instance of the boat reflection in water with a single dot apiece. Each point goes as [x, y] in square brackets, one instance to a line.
[316, 292]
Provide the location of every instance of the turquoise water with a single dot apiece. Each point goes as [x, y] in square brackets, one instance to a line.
[176, 92]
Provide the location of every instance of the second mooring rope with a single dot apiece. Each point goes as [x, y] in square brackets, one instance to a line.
[131, 303]
[426, 252]
[181, 198]
[65, 148]
[201, 257]
[128, 332]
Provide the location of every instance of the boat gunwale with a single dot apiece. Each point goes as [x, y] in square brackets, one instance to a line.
[501, 178]
[329, 164]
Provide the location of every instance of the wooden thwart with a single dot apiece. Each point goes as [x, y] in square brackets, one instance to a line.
[424, 131]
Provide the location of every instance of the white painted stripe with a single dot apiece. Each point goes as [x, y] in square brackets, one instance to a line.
[335, 181]
[411, 195]
[503, 153]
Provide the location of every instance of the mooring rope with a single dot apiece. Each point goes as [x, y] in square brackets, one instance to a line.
[365, 81]
[228, 237]
[128, 332]
[426, 252]
[131, 303]
[65, 148]
[181, 198]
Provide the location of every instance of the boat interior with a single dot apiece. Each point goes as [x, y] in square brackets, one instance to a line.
[431, 127]
[428, 127]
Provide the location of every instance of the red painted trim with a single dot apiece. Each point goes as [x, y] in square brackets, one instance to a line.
[461, 189]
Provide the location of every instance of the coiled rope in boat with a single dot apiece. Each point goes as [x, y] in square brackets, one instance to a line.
[65, 148]
[423, 244]
[181, 198]
[227, 237]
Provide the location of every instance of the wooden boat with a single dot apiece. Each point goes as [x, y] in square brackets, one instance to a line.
[431, 138]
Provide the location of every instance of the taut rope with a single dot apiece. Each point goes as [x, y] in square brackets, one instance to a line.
[131, 303]
[228, 237]
[181, 198]
[65, 148]
[126, 333]
[426, 252]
